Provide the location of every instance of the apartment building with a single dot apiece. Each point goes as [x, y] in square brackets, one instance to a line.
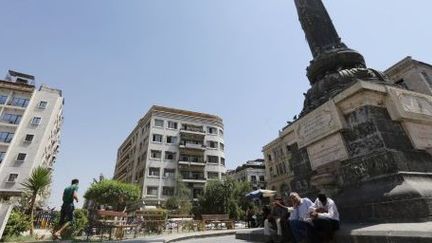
[253, 171]
[412, 74]
[30, 122]
[278, 169]
[168, 144]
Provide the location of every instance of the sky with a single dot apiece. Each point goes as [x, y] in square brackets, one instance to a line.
[243, 60]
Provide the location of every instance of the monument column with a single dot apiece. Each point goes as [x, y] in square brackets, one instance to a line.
[359, 138]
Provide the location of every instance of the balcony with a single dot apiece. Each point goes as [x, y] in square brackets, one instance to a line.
[193, 130]
[182, 162]
[192, 146]
[191, 160]
[194, 180]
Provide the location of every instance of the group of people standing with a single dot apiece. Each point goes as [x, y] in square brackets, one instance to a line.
[303, 220]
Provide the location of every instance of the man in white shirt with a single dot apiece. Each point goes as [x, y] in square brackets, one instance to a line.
[299, 220]
[325, 217]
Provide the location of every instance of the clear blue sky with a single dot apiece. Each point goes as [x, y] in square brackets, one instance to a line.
[244, 60]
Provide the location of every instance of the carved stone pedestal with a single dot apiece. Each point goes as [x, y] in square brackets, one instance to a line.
[368, 148]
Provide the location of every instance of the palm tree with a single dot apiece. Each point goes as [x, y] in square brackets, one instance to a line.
[34, 186]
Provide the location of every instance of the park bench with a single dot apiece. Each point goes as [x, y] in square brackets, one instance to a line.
[218, 220]
[181, 222]
[108, 220]
[153, 221]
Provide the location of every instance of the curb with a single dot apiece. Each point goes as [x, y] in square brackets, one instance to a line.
[169, 239]
[198, 236]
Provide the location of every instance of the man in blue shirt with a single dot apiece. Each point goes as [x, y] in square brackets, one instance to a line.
[299, 220]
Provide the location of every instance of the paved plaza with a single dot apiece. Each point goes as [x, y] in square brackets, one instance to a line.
[221, 239]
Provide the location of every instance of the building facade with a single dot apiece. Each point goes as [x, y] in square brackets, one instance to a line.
[253, 171]
[412, 74]
[30, 122]
[168, 145]
[279, 172]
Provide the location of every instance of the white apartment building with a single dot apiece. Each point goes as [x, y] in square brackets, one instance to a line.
[168, 144]
[253, 171]
[30, 121]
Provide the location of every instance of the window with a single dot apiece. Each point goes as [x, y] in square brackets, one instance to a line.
[159, 123]
[212, 144]
[21, 156]
[2, 155]
[172, 125]
[36, 121]
[221, 132]
[212, 175]
[154, 171]
[170, 155]
[11, 118]
[156, 154]
[169, 173]
[212, 130]
[427, 78]
[3, 99]
[222, 161]
[152, 190]
[402, 83]
[269, 157]
[222, 146]
[212, 159]
[253, 178]
[12, 177]
[18, 101]
[261, 178]
[171, 139]
[43, 104]
[6, 137]
[157, 138]
[168, 191]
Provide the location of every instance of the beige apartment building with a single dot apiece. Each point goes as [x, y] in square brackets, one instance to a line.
[168, 144]
[412, 74]
[279, 172]
[30, 122]
[253, 171]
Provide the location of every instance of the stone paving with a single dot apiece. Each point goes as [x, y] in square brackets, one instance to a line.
[221, 239]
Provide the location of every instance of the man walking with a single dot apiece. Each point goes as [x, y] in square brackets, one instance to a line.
[67, 209]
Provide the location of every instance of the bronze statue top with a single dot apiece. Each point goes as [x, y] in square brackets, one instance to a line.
[329, 52]
[318, 27]
[334, 66]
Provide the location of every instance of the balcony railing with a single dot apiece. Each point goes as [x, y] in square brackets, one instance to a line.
[193, 146]
[193, 130]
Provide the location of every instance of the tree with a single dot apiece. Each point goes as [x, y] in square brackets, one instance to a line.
[113, 193]
[181, 201]
[18, 223]
[227, 197]
[34, 186]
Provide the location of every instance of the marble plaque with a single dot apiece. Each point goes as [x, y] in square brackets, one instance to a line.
[404, 104]
[420, 135]
[318, 124]
[327, 150]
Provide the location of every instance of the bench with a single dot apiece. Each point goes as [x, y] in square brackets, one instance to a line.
[153, 221]
[218, 220]
[181, 222]
[107, 219]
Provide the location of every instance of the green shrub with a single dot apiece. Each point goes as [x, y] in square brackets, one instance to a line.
[18, 223]
[80, 221]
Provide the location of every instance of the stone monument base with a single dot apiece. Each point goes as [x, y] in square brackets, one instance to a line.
[363, 233]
